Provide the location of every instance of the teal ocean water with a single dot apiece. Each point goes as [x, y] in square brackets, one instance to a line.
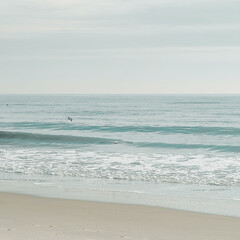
[169, 150]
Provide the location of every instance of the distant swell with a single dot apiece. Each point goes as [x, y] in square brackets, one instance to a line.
[196, 130]
[218, 148]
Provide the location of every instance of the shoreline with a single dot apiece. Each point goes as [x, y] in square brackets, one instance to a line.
[203, 199]
[32, 217]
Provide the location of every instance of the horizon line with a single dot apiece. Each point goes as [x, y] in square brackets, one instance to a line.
[119, 93]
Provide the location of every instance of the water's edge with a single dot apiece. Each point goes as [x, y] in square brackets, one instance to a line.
[203, 199]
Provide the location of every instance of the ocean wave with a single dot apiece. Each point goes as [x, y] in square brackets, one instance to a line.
[33, 139]
[13, 137]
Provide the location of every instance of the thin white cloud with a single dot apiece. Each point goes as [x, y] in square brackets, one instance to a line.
[164, 44]
[93, 15]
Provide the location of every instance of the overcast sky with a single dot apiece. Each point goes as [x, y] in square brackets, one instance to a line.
[120, 46]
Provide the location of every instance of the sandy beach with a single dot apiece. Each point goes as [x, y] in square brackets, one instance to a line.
[25, 217]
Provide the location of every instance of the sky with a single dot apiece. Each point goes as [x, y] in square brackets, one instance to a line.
[120, 46]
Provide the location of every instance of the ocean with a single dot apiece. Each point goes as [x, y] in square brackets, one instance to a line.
[177, 151]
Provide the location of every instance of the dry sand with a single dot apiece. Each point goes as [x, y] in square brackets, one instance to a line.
[26, 217]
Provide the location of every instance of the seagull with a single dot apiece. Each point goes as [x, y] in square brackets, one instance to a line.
[70, 119]
[115, 142]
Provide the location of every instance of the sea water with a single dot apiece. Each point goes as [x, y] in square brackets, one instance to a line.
[177, 151]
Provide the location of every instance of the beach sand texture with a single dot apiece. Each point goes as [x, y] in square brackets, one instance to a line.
[25, 217]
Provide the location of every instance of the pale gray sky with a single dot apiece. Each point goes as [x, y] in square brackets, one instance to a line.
[119, 46]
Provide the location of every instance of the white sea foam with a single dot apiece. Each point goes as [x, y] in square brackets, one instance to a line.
[194, 169]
